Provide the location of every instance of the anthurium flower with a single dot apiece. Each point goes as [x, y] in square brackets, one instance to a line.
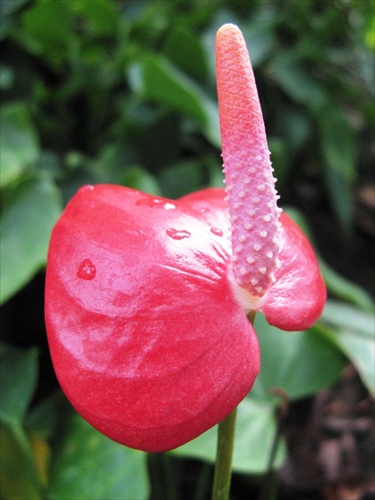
[147, 298]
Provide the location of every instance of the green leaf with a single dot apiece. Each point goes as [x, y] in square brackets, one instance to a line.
[26, 225]
[101, 16]
[260, 33]
[293, 126]
[185, 50]
[18, 474]
[299, 363]
[8, 10]
[19, 372]
[338, 148]
[49, 29]
[138, 178]
[181, 178]
[19, 146]
[296, 79]
[88, 465]
[255, 434]
[344, 289]
[44, 418]
[155, 78]
[353, 331]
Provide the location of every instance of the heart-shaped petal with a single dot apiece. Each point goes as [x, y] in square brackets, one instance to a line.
[147, 338]
[297, 297]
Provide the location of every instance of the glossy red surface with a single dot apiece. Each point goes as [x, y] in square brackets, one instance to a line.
[147, 338]
[153, 349]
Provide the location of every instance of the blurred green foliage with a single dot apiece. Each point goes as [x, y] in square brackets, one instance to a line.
[124, 92]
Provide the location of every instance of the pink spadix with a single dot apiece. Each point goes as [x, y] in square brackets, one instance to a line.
[248, 173]
[146, 298]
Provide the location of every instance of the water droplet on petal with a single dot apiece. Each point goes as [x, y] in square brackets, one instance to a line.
[155, 203]
[87, 187]
[169, 206]
[86, 270]
[177, 234]
[216, 231]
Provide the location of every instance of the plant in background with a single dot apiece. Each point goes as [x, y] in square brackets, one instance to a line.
[148, 300]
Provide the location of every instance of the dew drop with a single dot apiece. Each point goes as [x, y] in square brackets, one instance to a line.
[216, 231]
[178, 234]
[88, 187]
[169, 206]
[155, 203]
[86, 270]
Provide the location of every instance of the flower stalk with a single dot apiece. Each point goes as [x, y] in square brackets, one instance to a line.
[224, 454]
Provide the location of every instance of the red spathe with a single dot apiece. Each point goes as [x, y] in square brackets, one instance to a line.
[147, 338]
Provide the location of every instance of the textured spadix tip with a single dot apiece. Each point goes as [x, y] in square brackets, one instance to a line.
[250, 184]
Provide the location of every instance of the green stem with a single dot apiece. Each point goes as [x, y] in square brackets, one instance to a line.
[224, 450]
[224, 453]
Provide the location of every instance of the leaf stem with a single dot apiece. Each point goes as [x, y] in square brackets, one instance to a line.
[224, 453]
